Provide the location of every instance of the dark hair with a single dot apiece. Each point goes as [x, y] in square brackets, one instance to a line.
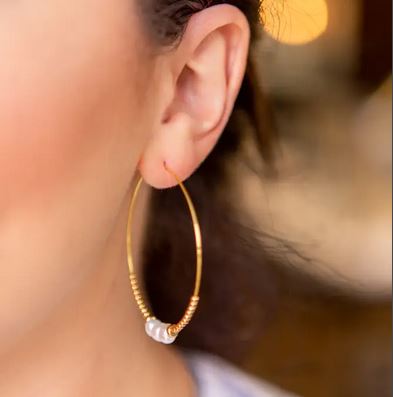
[237, 290]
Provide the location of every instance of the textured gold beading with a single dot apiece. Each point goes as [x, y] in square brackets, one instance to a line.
[172, 329]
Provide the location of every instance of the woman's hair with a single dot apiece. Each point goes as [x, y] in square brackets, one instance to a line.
[237, 289]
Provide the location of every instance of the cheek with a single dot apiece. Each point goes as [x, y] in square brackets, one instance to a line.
[42, 137]
[62, 91]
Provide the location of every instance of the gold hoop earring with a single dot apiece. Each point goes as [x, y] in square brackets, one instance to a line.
[159, 331]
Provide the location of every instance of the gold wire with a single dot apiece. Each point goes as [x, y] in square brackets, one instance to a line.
[173, 329]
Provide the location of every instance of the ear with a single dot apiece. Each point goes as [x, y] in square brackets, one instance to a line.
[202, 77]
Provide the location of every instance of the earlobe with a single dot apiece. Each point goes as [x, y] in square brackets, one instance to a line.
[171, 145]
[208, 68]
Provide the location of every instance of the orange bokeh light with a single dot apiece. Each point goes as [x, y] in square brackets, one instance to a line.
[295, 22]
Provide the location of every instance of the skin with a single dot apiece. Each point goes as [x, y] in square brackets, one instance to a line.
[87, 103]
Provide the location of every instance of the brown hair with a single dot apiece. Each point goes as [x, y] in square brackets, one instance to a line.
[237, 288]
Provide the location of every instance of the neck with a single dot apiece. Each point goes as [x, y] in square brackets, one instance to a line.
[95, 344]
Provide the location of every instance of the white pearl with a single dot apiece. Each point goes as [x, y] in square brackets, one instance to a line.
[150, 325]
[158, 330]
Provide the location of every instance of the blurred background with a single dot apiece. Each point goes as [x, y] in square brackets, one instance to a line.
[326, 69]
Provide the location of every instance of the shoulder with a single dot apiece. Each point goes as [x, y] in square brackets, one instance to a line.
[217, 378]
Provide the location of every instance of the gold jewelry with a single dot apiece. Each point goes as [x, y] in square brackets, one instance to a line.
[159, 331]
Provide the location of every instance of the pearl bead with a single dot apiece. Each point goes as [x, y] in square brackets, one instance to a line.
[158, 330]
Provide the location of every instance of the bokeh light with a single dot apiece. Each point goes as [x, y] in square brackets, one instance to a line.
[295, 22]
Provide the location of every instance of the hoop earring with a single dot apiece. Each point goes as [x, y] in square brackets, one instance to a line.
[159, 331]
